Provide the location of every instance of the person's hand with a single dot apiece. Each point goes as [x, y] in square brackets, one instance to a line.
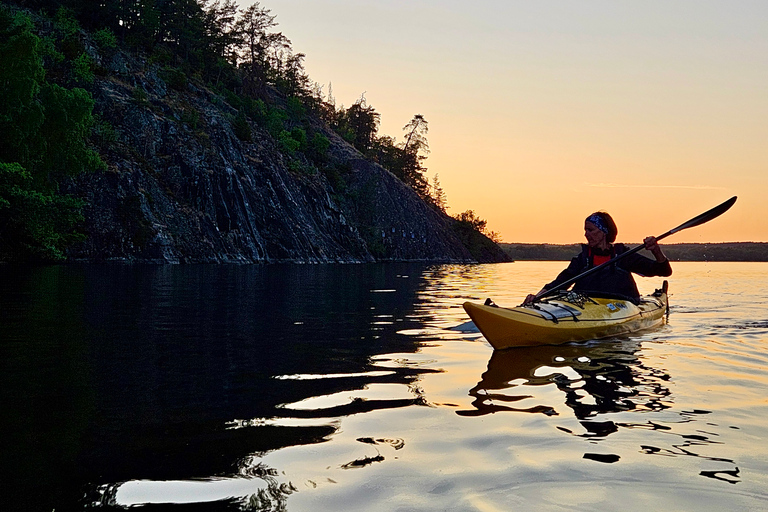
[652, 245]
[530, 299]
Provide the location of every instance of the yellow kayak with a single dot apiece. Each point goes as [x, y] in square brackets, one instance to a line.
[567, 317]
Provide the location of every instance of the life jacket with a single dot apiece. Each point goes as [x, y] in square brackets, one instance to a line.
[599, 259]
[611, 280]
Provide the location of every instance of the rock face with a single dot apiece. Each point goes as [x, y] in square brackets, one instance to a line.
[181, 188]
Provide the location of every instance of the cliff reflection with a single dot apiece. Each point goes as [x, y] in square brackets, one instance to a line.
[596, 379]
[146, 379]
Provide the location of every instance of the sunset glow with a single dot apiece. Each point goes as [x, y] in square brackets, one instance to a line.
[543, 112]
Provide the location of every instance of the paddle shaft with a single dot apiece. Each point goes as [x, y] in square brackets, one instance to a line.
[696, 221]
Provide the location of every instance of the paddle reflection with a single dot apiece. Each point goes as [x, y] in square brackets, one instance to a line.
[597, 378]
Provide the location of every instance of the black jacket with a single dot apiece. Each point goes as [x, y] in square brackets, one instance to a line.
[615, 279]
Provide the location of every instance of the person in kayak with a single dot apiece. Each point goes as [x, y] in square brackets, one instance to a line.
[614, 280]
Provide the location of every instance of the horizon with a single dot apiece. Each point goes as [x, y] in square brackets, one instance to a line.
[663, 243]
[652, 112]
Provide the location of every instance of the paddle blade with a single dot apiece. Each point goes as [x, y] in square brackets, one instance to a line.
[706, 216]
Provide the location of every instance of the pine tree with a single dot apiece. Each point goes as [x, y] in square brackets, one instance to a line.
[438, 194]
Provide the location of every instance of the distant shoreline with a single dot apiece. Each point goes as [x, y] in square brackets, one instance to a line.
[727, 251]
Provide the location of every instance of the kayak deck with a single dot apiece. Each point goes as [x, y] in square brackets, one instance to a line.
[567, 317]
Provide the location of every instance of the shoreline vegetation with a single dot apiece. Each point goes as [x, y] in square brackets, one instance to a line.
[188, 131]
[727, 251]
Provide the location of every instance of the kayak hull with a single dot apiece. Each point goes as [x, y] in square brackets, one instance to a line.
[560, 320]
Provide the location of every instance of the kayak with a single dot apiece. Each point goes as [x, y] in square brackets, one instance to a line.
[570, 316]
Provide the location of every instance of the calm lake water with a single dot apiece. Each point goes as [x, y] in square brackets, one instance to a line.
[356, 387]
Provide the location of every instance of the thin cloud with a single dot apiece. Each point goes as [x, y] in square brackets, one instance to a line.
[619, 185]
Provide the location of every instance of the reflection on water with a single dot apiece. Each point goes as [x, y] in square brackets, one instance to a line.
[364, 387]
[596, 378]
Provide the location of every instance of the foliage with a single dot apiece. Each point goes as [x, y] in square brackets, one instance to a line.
[414, 150]
[217, 38]
[470, 220]
[45, 131]
[336, 175]
[437, 194]
[83, 69]
[191, 118]
[175, 78]
[62, 139]
[734, 251]
[287, 142]
[34, 225]
[318, 147]
[300, 136]
[20, 113]
[66, 23]
[295, 108]
[362, 122]
[269, 117]
[241, 127]
[237, 51]
[105, 38]
[472, 231]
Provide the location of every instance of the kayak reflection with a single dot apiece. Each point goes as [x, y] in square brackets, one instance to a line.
[596, 378]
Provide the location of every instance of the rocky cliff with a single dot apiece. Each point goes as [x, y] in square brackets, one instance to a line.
[182, 187]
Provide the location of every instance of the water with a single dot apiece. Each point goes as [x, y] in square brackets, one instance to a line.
[361, 387]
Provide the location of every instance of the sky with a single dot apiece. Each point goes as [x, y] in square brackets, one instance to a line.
[541, 112]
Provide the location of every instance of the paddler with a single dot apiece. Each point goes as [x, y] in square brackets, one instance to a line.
[614, 280]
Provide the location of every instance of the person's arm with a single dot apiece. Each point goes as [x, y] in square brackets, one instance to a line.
[574, 268]
[659, 266]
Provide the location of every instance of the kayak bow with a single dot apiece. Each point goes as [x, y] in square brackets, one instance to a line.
[567, 317]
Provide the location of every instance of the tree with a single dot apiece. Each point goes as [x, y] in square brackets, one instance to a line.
[416, 131]
[220, 22]
[21, 114]
[362, 121]
[294, 76]
[471, 220]
[254, 44]
[182, 24]
[415, 149]
[437, 194]
[34, 225]
[45, 129]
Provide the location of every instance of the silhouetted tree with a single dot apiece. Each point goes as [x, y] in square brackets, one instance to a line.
[437, 194]
[471, 220]
[254, 45]
[363, 122]
[220, 22]
[415, 148]
[295, 79]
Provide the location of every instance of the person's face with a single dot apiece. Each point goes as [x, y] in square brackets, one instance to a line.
[595, 237]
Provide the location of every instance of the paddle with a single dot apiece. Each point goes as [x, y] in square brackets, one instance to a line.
[696, 221]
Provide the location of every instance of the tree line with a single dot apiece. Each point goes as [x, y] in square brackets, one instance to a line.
[239, 50]
[735, 251]
[47, 79]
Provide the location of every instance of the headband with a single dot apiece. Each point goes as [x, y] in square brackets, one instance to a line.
[598, 221]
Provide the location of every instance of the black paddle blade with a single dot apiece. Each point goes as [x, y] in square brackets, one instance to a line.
[706, 216]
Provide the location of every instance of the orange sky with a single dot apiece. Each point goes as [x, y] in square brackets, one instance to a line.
[542, 112]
